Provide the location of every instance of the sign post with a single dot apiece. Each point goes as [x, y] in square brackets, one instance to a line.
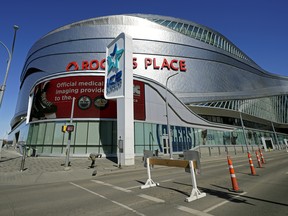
[70, 129]
[119, 85]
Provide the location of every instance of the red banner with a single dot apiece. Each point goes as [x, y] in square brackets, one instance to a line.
[53, 99]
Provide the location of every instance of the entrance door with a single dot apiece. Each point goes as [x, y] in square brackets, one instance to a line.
[267, 143]
[166, 147]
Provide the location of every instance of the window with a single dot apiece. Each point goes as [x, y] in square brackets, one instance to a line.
[199, 33]
[204, 35]
[166, 23]
[172, 25]
[184, 28]
[178, 27]
[93, 131]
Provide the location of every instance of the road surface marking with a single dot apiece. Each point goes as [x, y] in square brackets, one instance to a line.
[113, 201]
[193, 211]
[222, 203]
[168, 180]
[151, 198]
[113, 186]
[132, 187]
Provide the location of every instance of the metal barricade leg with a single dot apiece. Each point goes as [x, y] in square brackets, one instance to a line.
[195, 193]
[149, 183]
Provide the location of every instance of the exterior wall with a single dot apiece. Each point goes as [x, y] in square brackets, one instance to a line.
[206, 74]
[211, 73]
[92, 135]
[88, 137]
[100, 137]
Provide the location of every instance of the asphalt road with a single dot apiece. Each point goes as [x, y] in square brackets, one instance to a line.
[120, 193]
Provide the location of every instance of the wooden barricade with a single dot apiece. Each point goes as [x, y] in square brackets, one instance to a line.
[187, 164]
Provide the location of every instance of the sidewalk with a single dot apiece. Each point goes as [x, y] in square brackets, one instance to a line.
[40, 170]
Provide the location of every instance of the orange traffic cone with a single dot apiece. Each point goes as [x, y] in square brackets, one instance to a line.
[262, 157]
[253, 172]
[235, 187]
[258, 159]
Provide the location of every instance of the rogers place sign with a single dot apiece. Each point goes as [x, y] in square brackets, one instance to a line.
[154, 63]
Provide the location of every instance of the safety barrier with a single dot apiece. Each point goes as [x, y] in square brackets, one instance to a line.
[187, 164]
[262, 156]
[253, 172]
[258, 159]
[235, 187]
[224, 150]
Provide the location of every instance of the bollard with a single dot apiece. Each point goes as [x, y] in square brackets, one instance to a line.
[253, 172]
[262, 157]
[235, 187]
[23, 157]
[258, 159]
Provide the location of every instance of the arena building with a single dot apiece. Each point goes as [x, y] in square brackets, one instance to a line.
[216, 95]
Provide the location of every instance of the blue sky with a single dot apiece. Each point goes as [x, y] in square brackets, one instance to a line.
[259, 28]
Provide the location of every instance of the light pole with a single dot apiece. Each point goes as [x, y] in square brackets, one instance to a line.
[275, 134]
[248, 153]
[67, 160]
[243, 128]
[167, 118]
[10, 54]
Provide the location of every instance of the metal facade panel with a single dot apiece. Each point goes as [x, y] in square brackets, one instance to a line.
[212, 74]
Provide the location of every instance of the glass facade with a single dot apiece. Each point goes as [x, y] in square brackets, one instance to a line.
[270, 108]
[88, 137]
[203, 34]
[100, 137]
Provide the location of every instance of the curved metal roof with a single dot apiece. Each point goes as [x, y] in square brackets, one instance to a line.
[188, 28]
[198, 32]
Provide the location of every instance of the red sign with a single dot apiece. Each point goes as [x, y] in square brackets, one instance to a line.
[155, 63]
[174, 64]
[53, 99]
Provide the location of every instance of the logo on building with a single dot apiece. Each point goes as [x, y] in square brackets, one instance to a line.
[84, 102]
[100, 102]
[118, 66]
[114, 80]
